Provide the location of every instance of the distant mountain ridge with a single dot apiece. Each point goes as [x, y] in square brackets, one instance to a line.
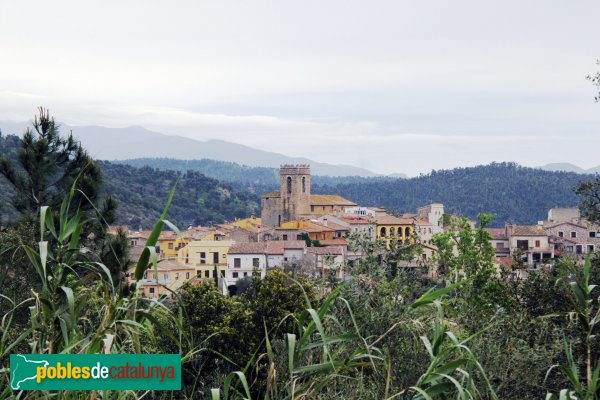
[138, 142]
[568, 167]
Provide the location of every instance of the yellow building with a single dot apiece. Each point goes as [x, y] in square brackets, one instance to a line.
[170, 243]
[167, 277]
[394, 229]
[204, 256]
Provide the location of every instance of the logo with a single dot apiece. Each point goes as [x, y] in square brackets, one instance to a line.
[95, 371]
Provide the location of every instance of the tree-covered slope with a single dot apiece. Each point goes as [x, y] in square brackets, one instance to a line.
[515, 194]
[142, 192]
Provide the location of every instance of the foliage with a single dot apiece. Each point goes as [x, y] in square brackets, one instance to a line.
[595, 80]
[589, 199]
[75, 307]
[585, 310]
[46, 167]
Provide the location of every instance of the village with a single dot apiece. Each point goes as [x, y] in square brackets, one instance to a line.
[316, 235]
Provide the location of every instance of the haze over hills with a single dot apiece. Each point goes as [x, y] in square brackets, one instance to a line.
[138, 142]
[568, 167]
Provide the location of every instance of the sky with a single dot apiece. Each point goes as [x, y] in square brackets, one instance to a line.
[392, 86]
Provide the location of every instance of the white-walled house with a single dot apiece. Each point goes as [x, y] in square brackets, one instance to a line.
[532, 241]
[245, 258]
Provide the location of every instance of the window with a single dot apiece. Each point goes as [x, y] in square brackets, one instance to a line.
[312, 208]
[523, 244]
[199, 274]
[303, 184]
[176, 275]
[592, 234]
[561, 234]
[215, 257]
[207, 274]
[245, 274]
[170, 246]
[579, 249]
[298, 237]
[152, 290]
[146, 275]
[590, 248]
[222, 274]
[235, 274]
[537, 243]
[202, 258]
[393, 231]
[187, 275]
[237, 263]
[573, 234]
[255, 262]
[165, 276]
[284, 237]
[383, 232]
[499, 246]
[569, 249]
[289, 184]
[406, 232]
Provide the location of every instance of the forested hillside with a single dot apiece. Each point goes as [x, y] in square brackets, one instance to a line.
[514, 193]
[142, 192]
[260, 179]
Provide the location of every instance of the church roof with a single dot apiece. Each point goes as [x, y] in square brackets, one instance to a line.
[329, 199]
[272, 194]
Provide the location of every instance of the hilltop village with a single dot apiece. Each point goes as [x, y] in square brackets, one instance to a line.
[320, 235]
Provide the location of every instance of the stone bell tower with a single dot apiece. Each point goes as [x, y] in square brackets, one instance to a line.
[294, 189]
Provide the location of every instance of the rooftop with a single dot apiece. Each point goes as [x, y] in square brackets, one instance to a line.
[329, 199]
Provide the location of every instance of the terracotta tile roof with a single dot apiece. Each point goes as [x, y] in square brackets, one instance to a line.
[273, 247]
[272, 194]
[332, 225]
[329, 250]
[528, 230]
[248, 248]
[354, 219]
[142, 234]
[387, 219]
[329, 199]
[554, 225]
[422, 221]
[505, 262]
[497, 233]
[314, 227]
[334, 242]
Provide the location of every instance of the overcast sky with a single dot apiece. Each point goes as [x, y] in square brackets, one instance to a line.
[393, 86]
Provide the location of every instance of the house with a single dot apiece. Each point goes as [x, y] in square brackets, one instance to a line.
[532, 242]
[573, 239]
[246, 259]
[327, 261]
[166, 278]
[394, 229]
[208, 257]
[499, 241]
[433, 213]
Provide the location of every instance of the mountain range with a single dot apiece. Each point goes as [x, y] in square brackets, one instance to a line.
[138, 142]
[568, 167]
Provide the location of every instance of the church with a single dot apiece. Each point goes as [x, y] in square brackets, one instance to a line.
[294, 201]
